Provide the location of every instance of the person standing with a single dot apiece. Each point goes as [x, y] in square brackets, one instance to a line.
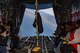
[76, 39]
[3, 40]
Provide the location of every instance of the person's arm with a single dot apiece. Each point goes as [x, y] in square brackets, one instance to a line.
[8, 48]
[74, 41]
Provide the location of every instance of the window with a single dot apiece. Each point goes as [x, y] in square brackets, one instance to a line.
[48, 20]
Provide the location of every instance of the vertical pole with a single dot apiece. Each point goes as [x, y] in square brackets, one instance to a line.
[36, 6]
[43, 45]
[37, 39]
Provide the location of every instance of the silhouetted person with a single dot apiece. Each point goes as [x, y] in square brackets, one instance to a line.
[3, 40]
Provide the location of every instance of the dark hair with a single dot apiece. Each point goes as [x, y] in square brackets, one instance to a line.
[78, 22]
[7, 24]
[2, 29]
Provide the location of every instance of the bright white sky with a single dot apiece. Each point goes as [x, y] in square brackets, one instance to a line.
[48, 20]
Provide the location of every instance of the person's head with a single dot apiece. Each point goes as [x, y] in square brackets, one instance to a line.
[68, 26]
[7, 26]
[2, 29]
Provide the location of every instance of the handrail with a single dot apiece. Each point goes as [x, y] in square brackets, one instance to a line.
[26, 40]
[50, 39]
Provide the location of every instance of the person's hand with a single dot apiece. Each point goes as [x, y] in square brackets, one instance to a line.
[65, 42]
[8, 48]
